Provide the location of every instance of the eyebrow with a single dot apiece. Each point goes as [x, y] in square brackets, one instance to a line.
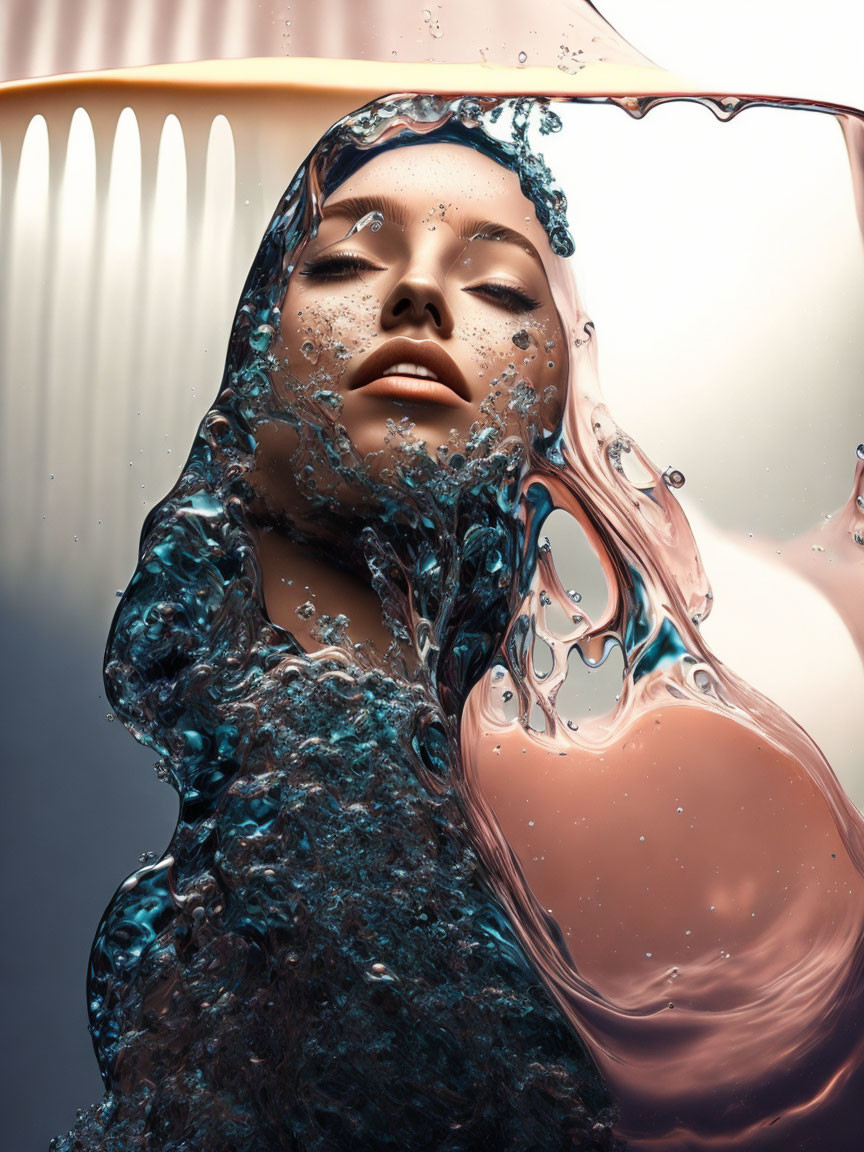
[355, 207]
[488, 230]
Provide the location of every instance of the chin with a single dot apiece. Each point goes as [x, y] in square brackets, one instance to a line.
[430, 432]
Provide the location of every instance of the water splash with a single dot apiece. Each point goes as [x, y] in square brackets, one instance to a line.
[356, 919]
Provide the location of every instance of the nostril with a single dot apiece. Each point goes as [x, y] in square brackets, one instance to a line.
[401, 306]
[436, 315]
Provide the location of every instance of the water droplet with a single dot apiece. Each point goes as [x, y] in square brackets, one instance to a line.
[679, 810]
[109, 716]
[506, 696]
[308, 349]
[860, 451]
[522, 339]
[523, 56]
[305, 611]
[674, 478]
[51, 477]
[262, 337]
[574, 595]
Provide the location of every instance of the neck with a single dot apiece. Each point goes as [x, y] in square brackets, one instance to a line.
[448, 556]
[306, 590]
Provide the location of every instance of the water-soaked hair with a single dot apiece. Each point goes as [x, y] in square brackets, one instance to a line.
[319, 961]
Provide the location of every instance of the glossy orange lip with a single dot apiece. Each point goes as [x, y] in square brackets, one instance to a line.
[449, 388]
[412, 389]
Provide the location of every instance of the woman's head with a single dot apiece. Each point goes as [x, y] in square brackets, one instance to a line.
[424, 294]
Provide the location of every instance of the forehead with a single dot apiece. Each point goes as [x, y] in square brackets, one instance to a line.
[448, 178]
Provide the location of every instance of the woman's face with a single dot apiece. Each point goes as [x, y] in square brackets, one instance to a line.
[422, 293]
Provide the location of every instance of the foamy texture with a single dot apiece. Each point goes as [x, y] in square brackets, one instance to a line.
[393, 906]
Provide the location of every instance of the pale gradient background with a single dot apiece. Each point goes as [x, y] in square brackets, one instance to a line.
[721, 264]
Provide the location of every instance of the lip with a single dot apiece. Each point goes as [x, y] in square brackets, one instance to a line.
[450, 388]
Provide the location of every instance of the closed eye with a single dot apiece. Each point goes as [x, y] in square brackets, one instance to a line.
[513, 299]
[340, 266]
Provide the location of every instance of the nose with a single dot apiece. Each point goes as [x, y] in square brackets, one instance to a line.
[417, 300]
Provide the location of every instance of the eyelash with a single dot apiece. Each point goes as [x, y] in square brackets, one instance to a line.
[345, 264]
[512, 298]
[338, 267]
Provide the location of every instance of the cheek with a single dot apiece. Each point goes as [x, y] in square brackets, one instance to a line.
[321, 334]
[532, 344]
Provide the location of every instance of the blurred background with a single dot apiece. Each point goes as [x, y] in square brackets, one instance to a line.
[722, 264]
